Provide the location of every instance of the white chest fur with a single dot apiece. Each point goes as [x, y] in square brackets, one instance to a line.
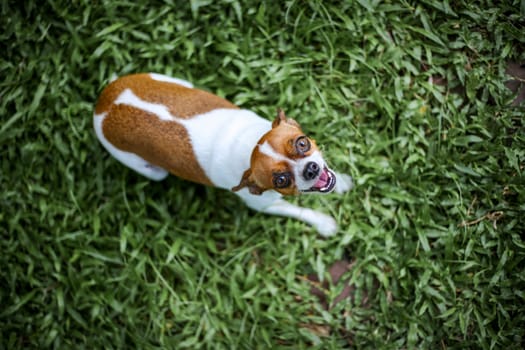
[223, 141]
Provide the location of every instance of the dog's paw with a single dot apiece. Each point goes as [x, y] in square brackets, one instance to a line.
[325, 225]
[344, 183]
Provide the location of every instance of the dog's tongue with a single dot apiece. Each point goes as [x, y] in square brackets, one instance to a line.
[323, 180]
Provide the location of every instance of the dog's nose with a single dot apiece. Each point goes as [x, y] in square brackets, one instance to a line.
[311, 170]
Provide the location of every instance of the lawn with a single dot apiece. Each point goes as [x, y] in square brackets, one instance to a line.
[409, 97]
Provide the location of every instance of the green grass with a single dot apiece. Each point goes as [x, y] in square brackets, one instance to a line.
[94, 256]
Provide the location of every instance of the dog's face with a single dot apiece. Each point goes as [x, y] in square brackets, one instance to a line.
[288, 162]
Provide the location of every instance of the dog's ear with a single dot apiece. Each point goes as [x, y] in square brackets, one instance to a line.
[247, 181]
[281, 117]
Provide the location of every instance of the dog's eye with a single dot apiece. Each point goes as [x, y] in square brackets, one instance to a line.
[282, 180]
[302, 145]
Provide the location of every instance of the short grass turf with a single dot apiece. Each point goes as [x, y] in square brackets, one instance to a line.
[406, 96]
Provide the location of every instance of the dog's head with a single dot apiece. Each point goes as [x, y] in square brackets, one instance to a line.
[287, 161]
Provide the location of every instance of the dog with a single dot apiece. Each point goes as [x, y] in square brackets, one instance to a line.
[156, 125]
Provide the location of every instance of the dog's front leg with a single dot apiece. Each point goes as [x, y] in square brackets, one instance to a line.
[325, 224]
[272, 203]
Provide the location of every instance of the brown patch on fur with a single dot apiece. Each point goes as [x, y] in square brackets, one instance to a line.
[285, 131]
[165, 144]
[283, 142]
[182, 102]
[162, 143]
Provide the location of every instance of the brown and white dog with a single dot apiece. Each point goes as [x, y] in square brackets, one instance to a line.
[157, 125]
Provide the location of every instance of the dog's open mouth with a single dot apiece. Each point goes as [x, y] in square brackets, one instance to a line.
[325, 183]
